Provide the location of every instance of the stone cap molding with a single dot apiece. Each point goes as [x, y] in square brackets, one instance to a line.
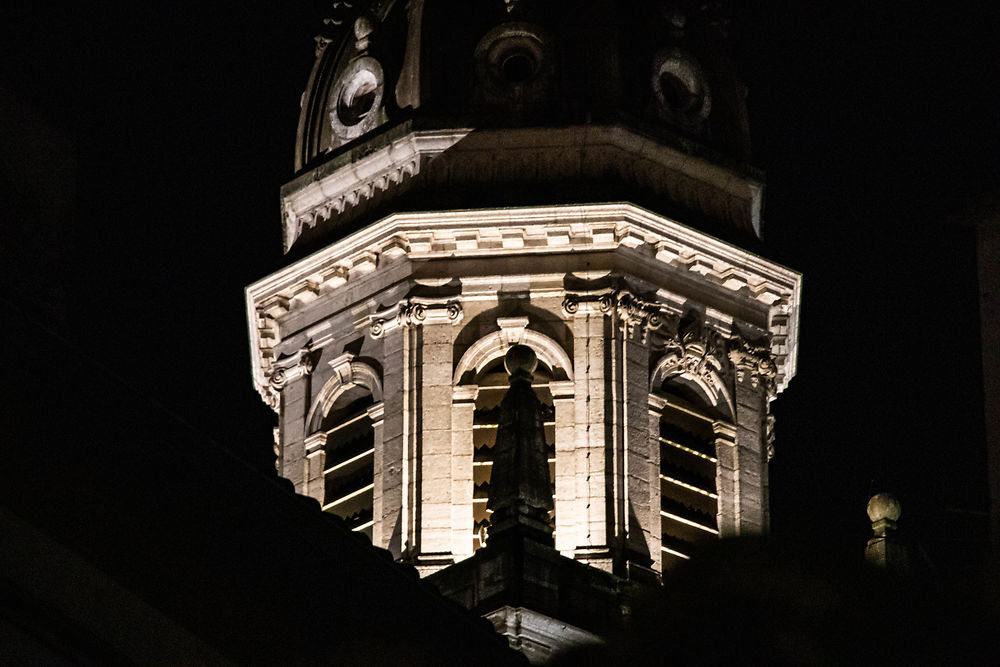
[315, 196]
[534, 231]
[329, 193]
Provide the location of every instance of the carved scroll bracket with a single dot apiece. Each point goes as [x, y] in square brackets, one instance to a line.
[290, 367]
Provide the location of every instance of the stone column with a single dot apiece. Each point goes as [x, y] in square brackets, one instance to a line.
[463, 410]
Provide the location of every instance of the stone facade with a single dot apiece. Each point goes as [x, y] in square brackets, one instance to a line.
[476, 176]
[630, 312]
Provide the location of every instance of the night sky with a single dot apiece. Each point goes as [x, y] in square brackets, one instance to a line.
[143, 146]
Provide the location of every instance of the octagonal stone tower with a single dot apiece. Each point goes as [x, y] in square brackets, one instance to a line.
[568, 176]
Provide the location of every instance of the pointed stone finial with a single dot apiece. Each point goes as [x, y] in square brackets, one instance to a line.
[520, 489]
[884, 549]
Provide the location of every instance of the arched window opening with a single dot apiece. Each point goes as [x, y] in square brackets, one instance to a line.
[493, 387]
[689, 500]
[349, 472]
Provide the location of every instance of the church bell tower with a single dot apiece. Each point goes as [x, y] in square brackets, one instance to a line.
[548, 201]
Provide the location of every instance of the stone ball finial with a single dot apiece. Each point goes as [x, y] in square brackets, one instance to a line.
[883, 506]
[520, 360]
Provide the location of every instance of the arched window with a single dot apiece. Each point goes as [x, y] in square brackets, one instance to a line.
[493, 385]
[348, 475]
[689, 500]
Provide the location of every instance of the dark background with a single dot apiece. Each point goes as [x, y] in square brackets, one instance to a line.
[143, 145]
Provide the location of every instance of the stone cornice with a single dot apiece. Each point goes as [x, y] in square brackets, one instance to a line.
[330, 192]
[535, 231]
[304, 204]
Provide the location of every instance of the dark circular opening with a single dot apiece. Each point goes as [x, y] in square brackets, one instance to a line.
[357, 99]
[676, 94]
[518, 67]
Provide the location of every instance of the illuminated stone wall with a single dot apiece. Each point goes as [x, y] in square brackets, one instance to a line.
[636, 318]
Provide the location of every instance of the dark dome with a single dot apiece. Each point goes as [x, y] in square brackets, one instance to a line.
[660, 66]
[451, 104]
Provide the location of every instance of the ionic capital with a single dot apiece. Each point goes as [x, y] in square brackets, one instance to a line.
[291, 367]
[415, 311]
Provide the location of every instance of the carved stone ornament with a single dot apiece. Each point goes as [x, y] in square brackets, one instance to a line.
[289, 368]
[696, 351]
[341, 13]
[680, 89]
[753, 363]
[355, 103]
[278, 379]
[414, 311]
[638, 314]
[271, 397]
[634, 313]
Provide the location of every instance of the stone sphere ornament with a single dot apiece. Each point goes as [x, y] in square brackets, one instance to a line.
[520, 360]
[884, 506]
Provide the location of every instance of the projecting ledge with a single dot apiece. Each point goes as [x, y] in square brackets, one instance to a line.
[522, 574]
[537, 636]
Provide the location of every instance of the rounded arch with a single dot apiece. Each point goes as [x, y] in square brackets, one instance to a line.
[346, 376]
[493, 345]
[706, 382]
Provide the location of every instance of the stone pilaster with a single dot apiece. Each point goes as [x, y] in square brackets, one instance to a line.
[376, 413]
[637, 458]
[590, 463]
[629, 394]
[462, 450]
[725, 477]
[436, 441]
[642, 461]
[425, 445]
[754, 382]
[314, 449]
[291, 378]
[654, 412]
[567, 527]
[390, 529]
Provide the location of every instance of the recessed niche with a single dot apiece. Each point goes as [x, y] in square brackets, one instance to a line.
[357, 98]
[515, 66]
[518, 67]
[355, 102]
[680, 88]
